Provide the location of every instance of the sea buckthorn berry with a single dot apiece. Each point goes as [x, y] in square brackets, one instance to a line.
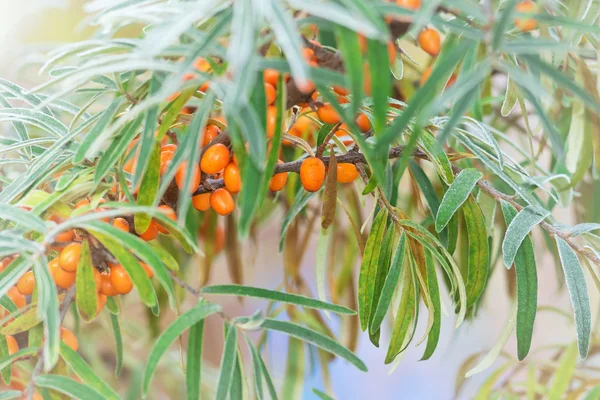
[168, 147]
[271, 76]
[210, 132]
[341, 90]
[201, 202]
[100, 301]
[151, 233]
[426, 74]
[526, 24]
[26, 283]
[222, 202]
[13, 346]
[391, 49]
[278, 181]
[312, 174]
[202, 65]
[62, 278]
[328, 114]
[16, 296]
[120, 280]
[430, 42]
[271, 120]
[169, 212]
[181, 176]
[232, 178]
[451, 80]
[82, 203]
[121, 224]
[69, 257]
[165, 161]
[308, 53]
[409, 4]
[149, 271]
[363, 122]
[214, 159]
[64, 237]
[346, 172]
[69, 338]
[106, 287]
[270, 93]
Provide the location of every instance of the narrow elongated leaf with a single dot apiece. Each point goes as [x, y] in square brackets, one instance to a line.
[353, 63]
[21, 217]
[68, 386]
[456, 195]
[380, 82]
[516, 232]
[85, 286]
[10, 394]
[78, 365]
[6, 371]
[321, 263]
[194, 361]
[383, 267]
[114, 321]
[310, 336]
[294, 370]
[499, 29]
[563, 374]
[268, 380]
[96, 132]
[170, 334]
[578, 293]
[299, 203]
[527, 287]
[256, 369]
[368, 268]
[48, 311]
[290, 298]
[434, 293]
[148, 189]
[330, 194]
[479, 252]
[228, 360]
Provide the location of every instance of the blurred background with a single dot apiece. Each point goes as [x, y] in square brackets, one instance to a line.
[27, 31]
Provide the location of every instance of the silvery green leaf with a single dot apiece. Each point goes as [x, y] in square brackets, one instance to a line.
[519, 227]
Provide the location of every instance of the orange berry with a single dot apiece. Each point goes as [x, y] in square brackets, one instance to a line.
[308, 53]
[232, 178]
[451, 80]
[106, 287]
[82, 203]
[201, 202]
[278, 181]
[202, 65]
[426, 74]
[13, 346]
[363, 122]
[222, 202]
[181, 176]
[312, 174]
[62, 278]
[165, 161]
[120, 280]
[169, 212]
[270, 93]
[69, 257]
[214, 159]
[26, 283]
[100, 301]
[69, 338]
[305, 123]
[64, 237]
[328, 114]
[168, 147]
[271, 76]
[151, 233]
[16, 296]
[341, 90]
[346, 172]
[271, 120]
[409, 4]
[149, 271]
[121, 224]
[430, 42]
[210, 132]
[527, 24]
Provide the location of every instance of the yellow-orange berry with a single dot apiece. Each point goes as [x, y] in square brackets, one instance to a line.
[106, 287]
[346, 172]
[121, 224]
[426, 74]
[170, 213]
[271, 120]
[151, 233]
[69, 338]
[526, 24]
[26, 283]
[312, 174]
[13, 346]
[328, 114]
[120, 280]
[430, 42]
[409, 4]
[16, 297]
[201, 202]
[222, 202]
[232, 178]
[214, 159]
[278, 181]
[69, 257]
[271, 76]
[62, 278]
[210, 132]
[270, 93]
[100, 301]
[181, 177]
[149, 271]
[363, 122]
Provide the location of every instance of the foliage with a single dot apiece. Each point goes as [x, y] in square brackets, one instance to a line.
[114, 151]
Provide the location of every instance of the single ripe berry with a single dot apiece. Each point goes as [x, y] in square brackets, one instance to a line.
[165, 161]
[270, 93]
[16, 297]
[391, 49]
[232, 178]
[170, 213]
[120, 280]
[13, 346]
[201, 202]
[168, 148]
[328, 114]
[82, 203]
[526, 24]
[271, 76]
[430, 42]
[69, 257]
[100, 301]
[151, 233]
[26, 283]
[222, 202]
[312, 174]
[214, 159]
[69, 338]
[181, 177]
[409, 4]
[363, 122]
[278, 181]
[64, 237]
[121, 224]
[426, 74]
[62, 278]
[106, 287]
[211, 132]
[346, 172]
[271, 120]
[149, 271]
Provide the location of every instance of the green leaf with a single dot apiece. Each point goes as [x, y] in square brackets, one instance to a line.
[22, 323]
[148, 190]
[8, 360]
[310, 336]
[267, 376]
[6, 371]
[527, 286]
[289, 298]
[48, 312]
[194, 361]
[256, 368]
[593, 394]
[228, 360]
[68, 386]
[383, 266]
[22, 217]
[171, 333]
[516, 232]
[438, 157]
[389, 286]
[322, 395]
[10, 394]
[381, 82]
[293, 380]
[510, 98]
[434, 293]
[500, 27]
[456, 195]
[578, 293]
[353, 63]
[299, 203]
[85, 285]
[94, 138]
[479, 252]
[563, 374]
[114, 321]
[368, 268]
[81, 368]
